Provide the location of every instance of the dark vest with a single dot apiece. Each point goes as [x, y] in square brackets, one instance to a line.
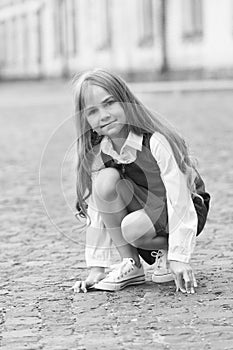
[144, 174]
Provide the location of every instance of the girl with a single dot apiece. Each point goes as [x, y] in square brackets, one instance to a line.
[143, 191]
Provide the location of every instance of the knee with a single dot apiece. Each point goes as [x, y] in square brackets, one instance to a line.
[129, 228]
[137, 228]
[104, 185]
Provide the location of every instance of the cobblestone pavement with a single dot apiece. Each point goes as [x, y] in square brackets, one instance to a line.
[39, 263]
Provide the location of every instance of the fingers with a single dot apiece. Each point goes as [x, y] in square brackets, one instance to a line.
[77, 287]
[194, 280]
[186, 282]
[81, 286]
[180, 283]
[84, 286]
[177, 287]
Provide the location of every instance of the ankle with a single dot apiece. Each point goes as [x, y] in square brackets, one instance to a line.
[137, 261]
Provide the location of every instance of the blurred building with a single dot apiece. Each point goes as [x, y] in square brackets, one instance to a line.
[58, 37]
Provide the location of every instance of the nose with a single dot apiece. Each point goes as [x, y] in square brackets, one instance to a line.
[104, 115]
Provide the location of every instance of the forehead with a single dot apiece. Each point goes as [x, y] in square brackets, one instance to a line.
[94, 95]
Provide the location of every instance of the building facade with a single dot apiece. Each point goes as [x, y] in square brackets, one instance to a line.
[52, 38]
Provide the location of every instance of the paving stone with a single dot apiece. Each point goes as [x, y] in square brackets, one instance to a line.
[40, 259]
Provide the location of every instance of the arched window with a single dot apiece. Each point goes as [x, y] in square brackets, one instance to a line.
[59, 28]
[25, 33]
[3, 43]
[74, 24]
[192, 19]
[146, 22]
[101, 24]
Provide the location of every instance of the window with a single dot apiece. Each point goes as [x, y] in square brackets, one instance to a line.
[101, 19]
[25, 33]
[10, 41]
[59, 35]
[74, 25]
[39, 35]
[232, 16]
[192, 19]
[13, 40]
[3, 42]
[72, 28]
[146, 22]
[65, 28]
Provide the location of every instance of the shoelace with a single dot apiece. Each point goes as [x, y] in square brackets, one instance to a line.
[119, 270]
[157, 255]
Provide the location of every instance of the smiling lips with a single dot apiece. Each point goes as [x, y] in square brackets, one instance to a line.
[103, 126]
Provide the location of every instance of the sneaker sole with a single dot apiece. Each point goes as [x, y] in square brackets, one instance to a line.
[119, 285]
[162, 278]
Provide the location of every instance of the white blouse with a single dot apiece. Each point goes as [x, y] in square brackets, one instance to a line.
[182, 217]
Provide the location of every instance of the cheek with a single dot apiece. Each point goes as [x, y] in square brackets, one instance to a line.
[123, 118]
[91, 122]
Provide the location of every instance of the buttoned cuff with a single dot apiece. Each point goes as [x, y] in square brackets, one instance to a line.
[179, 257]
[101, 257]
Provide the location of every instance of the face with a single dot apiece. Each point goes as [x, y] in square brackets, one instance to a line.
[104, 114]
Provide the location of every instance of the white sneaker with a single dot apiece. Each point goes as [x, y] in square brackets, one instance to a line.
[125, 274]
[161, 272]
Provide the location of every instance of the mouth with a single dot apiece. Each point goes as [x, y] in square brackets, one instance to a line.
[103, 126]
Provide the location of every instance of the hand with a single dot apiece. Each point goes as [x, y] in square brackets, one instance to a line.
[94, 277]
[184, 277]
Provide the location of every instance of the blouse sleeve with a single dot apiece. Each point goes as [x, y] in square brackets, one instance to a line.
[182, 217]
[99, 247]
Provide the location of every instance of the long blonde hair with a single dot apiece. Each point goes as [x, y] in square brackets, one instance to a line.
[140, 120]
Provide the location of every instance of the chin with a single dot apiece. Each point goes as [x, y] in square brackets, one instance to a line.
[114, 133]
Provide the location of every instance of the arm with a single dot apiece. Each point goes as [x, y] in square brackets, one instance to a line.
[98, 250]
[182, 217]
[98, 247]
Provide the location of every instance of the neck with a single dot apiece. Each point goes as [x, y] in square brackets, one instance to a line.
[119, 141]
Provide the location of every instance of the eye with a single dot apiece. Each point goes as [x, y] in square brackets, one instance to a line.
[91, 112]
[110, 102]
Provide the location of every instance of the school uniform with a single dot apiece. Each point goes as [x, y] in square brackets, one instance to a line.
[148, 165]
